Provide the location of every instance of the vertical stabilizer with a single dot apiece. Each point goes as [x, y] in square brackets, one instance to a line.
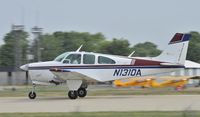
[176, 50]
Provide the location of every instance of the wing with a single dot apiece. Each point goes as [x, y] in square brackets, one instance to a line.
[70, 75]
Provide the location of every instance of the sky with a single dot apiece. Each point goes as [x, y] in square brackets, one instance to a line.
[135, 20]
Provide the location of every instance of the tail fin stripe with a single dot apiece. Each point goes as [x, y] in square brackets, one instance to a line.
[186, 37]
[178, 37]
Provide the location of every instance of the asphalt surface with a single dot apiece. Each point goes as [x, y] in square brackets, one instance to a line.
[101, 103]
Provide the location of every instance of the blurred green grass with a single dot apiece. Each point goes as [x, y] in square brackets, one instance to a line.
[97, 90]
[107, 114]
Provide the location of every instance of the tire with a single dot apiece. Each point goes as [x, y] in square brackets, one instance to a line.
[72, 94]
[32, 95]
[82, 92]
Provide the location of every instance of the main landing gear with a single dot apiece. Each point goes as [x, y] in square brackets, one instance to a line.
[81, 92]
[72, 94]
[32, 94]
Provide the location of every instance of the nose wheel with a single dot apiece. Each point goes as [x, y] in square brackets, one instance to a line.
[32, 94]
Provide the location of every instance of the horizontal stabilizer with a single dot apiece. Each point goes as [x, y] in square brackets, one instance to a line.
[169, 64]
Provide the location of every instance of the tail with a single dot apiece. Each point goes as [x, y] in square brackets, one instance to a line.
[176, 50]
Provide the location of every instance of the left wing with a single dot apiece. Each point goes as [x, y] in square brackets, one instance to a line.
[69, 75]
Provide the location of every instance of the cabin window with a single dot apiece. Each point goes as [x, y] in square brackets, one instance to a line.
[88, 59]
[73, 59]
[105, 60]
[60, 57]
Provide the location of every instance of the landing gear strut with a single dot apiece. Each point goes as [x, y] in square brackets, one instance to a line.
[32, 94]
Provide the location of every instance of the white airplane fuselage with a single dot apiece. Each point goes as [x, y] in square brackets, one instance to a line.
[123, 68]
[77, 68]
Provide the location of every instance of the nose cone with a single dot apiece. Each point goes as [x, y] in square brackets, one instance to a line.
[24, 67]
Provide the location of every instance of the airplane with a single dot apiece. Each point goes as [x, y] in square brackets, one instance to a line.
[76, 68]
[178, 83]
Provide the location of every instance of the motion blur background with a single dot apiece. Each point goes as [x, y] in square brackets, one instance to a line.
[34, 30]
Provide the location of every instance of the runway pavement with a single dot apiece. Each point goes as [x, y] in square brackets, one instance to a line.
[101, 103]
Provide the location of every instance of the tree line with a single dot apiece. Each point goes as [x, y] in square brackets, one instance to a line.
[51, 45]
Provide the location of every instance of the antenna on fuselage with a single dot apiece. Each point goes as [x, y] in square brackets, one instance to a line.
[79, 48]
[130, 55]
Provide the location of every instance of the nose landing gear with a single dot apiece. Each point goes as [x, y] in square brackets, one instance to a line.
[32, 94]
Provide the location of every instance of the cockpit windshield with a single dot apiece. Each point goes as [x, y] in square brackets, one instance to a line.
[61, 57]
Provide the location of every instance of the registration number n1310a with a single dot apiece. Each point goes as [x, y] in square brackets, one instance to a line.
[127, 72]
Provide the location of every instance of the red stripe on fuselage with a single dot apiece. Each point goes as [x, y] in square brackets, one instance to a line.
[140, 62]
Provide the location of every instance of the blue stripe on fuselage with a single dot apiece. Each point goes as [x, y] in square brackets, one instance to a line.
[103, 67]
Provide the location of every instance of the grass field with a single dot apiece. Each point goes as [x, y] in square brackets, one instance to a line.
[106, 114]
[21, 91]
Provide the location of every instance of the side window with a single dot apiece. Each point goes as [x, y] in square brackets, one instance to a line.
[73, 59]
[88, 59]
[105, 60]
